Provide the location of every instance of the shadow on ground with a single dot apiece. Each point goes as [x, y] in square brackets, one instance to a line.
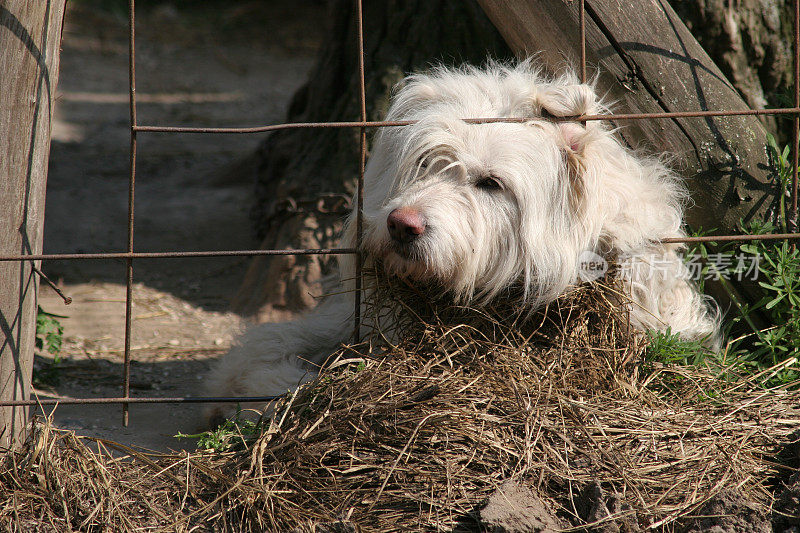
[203, 65]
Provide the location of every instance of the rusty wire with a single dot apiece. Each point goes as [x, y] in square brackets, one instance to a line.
[176, 255]
[795, 118]
[144, 399]
[398, 123]
[362, 142]
[582, 24]
[43, 277]
[129, 256]
[126, 367]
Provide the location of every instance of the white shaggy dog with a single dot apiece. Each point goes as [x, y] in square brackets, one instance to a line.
[481, 206]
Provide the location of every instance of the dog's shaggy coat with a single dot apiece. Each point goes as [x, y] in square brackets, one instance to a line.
[482, 207]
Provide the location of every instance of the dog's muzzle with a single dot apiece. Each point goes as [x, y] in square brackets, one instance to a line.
[405, 224]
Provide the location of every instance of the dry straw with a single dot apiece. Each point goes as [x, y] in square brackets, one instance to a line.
[414, 428]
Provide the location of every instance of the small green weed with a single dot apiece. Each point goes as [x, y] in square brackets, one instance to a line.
[776, 346]
[49, 333]
[234, 433]
[781, 176]
[49, 339]
[669, 348]
[769, 353]
[779, 264]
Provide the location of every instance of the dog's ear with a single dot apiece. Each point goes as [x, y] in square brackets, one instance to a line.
[566, 100]
[573, 140]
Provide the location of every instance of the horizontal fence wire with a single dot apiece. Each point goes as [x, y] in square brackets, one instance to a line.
[144, 399]
[487, 120]
[178, 255]
[335, 251]
[363, 124]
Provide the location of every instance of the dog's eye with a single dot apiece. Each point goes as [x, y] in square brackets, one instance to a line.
[489, 183]
[422, 164]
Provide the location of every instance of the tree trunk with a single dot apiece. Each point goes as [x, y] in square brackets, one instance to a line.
[751, 42]
[30, 37]
[305, 177]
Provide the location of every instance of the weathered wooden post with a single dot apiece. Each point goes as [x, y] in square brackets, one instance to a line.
[30, 39]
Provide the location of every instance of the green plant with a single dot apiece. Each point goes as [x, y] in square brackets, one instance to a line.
[773, 351]
[49, 333]
[234, 432]
[669, 348]
[769, 353]
[779, 264]
[49, 339]
[781, 176]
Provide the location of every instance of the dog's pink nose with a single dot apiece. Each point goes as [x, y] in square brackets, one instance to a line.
[405, 224]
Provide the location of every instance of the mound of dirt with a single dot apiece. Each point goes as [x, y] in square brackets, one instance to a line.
[729, 512]
[515, 508]
[419, 434]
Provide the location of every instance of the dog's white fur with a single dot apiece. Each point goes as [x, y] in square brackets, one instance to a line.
[503, 204]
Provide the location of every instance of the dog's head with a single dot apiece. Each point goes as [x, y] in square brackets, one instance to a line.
[479, 207]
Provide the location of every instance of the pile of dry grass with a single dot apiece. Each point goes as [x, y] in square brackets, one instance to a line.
[415, 435]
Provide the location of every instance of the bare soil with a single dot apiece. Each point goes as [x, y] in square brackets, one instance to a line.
[204, 66]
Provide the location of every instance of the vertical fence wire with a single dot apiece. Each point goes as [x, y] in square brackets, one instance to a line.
[795, 118]
[582, 21]
[126, 372]
[361, 164]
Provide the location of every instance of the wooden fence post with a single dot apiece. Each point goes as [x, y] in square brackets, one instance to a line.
[30, 40]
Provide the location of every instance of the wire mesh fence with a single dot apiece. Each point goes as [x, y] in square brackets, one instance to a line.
[130, 255]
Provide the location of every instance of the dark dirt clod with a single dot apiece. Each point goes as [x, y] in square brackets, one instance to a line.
[515, 508]
[596, 506]
[786, 517]
[729, 512]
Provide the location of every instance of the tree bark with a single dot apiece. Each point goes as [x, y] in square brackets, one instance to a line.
[751, 42]
[305, 177]
[30, 37]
